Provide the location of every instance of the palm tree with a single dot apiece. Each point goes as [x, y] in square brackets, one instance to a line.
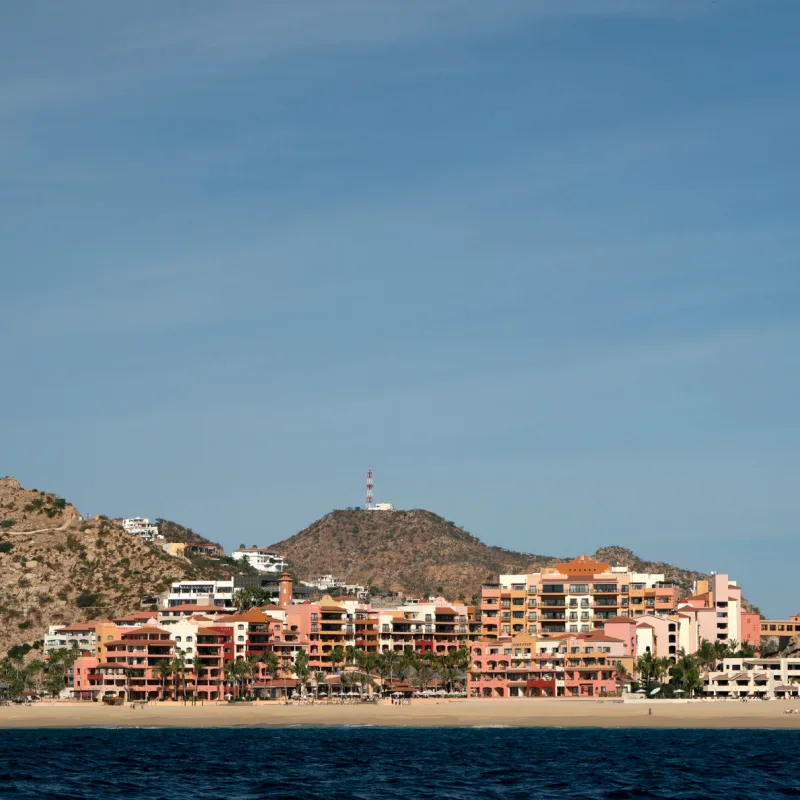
[747, 650]
[319, 677]
[240, 671]
[301, 669]
[271, 665]
[351, 654]
[33, 673]
[254, 661]
[387, 664]
[647, 669]
[336, 656]
[424, 675]
[163, 670]
[230, 674]
[409, 661]
[686, 674]
[178, 668]
[129, 673]
[720, 649]
[621, 675]
[706, 654]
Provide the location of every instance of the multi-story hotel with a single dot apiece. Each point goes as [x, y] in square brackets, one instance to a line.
[562, 665]
[573, 597]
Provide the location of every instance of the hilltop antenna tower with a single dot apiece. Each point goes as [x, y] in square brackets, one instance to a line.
[370, 486]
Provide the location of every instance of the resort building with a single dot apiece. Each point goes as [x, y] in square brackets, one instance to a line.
[435, 627]
[261, 559]
[764, 678]
[129, 668]
[207, 593]
[562, 665]
[573, 597]
[80, 636]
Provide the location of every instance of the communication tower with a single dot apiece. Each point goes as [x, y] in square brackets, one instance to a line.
[370, 485]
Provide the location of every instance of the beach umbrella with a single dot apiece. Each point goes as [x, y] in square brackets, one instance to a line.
[641, 691]
[655, 691]
[678, 691]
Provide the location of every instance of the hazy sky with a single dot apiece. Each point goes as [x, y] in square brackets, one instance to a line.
[534, 260]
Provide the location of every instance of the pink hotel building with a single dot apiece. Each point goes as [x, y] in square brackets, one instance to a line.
[566, 630]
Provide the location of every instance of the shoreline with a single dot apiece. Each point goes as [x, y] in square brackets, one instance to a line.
[536, 712]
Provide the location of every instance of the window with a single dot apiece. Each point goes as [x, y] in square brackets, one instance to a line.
[240, 639]
[553, 588]
[190, 638]
[579, 588]
[584, 629]
[573, 628]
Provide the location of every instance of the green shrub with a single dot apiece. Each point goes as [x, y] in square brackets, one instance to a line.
[23, 626]
[6, 547]
[86, 599]
[7, 523]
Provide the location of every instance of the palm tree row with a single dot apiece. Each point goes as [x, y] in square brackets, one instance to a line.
[360, 667]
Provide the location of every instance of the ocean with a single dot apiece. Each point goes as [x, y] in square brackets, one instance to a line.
[387, 763]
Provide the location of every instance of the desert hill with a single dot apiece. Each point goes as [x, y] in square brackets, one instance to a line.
[174, 532]
[57, 568]
[420, 552]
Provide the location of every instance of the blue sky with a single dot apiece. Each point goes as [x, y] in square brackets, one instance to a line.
[535, 261]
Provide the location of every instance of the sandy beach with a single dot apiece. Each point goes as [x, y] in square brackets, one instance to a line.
[515, 713]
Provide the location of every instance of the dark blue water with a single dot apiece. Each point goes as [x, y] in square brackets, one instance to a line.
[381, 763]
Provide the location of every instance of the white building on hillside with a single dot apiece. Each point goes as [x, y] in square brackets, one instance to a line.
[141, 527]
[80, 636]
[263, 560]
[201, 593]
[324, 582]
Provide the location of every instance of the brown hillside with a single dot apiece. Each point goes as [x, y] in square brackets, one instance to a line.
[56, 568]
[412, 551]
[173, 532]
[418, 552]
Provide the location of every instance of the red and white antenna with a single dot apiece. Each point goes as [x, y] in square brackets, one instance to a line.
[369, 489]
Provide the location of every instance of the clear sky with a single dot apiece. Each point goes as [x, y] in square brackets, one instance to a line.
[534, 260]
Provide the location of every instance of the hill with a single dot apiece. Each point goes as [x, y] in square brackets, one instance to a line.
[57, 568]
[174, 532]
[420, 552]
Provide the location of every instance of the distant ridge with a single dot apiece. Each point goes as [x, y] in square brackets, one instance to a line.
[420, 552]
